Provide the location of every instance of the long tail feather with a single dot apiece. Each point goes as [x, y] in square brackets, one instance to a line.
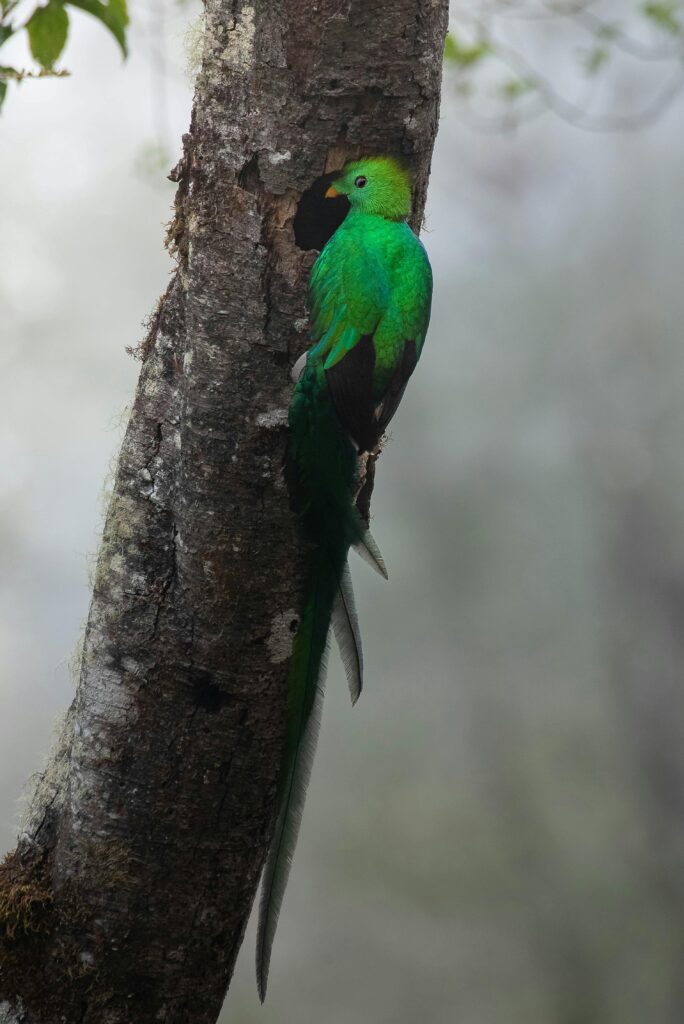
[279, 862]
[321, 471]
[348, 635]
[307, 678]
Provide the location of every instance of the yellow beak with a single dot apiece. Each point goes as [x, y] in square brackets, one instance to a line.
[332, 193]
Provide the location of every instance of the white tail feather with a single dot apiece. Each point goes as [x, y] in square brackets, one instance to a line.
[370, 552]
[346, 626]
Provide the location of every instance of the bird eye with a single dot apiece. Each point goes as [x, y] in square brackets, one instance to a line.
[360, 181]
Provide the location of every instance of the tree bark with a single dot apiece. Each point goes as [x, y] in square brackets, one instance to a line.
[136, 867]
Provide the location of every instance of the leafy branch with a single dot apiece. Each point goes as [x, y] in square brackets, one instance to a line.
[47, 30]
[502, 86]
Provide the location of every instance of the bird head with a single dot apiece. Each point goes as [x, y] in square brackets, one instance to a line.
[375, 184]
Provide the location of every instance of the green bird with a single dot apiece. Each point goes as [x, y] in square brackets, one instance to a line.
[369, 297]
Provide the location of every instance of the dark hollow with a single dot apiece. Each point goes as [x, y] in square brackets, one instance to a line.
[207, 694]
[318, 218]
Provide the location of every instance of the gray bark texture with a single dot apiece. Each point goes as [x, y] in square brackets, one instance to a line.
[127, 896]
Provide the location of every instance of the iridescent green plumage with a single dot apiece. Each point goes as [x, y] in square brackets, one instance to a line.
[369, 297]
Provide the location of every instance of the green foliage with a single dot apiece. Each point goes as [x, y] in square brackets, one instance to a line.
[114, 15]
[464, 54]
[518, 80]
[516, 87]
[594, 60]
[47, 29]
[607, 31]
[664, 15]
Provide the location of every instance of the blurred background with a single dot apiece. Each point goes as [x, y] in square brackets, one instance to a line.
[495, 834]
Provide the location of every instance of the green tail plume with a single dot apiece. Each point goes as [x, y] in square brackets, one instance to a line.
[322, 468]
[307, 677]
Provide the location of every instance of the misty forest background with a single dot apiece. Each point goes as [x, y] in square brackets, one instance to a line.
[496, 833]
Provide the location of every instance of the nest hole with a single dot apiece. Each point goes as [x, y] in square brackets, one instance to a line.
[317, 218]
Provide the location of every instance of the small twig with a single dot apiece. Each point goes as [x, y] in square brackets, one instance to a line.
[18, 75]
[535, 85]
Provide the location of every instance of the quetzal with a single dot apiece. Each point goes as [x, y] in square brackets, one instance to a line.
[369, 297]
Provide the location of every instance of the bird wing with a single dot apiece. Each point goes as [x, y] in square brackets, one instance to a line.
[370, 311]
[348, 294]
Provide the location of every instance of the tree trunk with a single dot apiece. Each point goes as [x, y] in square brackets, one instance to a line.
[135, 871]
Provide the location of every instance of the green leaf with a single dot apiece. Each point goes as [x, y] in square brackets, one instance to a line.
[5, 32]
[464, 54]
[47, 29]
[3, 92]
[113, 15]
[664, 15]
[593, 60]
[608, 31]
[517, 87]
